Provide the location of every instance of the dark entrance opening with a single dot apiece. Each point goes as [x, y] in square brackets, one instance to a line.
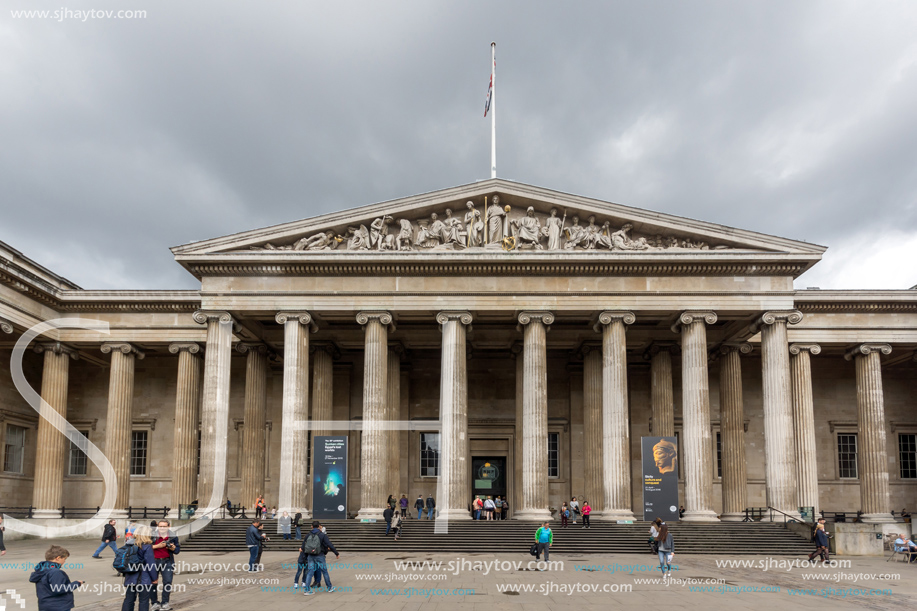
[488, 476]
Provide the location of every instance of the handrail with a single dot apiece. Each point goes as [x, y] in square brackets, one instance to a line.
[784, 514]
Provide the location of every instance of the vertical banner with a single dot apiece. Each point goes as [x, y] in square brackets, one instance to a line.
[329, 496]
[660, 478]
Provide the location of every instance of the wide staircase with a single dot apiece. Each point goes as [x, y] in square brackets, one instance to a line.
[349, 536]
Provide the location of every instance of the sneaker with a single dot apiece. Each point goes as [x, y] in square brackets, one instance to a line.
[295, 585]
[97, 557]
[155, 607]
[308, 593]
[331, 589]
[165, 607]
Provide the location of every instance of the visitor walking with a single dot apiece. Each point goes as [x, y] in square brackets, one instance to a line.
[544, 537]
[574, 509]
[388, 513]
[52, 585]
[315, 541]
[586, 511]
[302, 566]
[296, 520]
[229, 507]
[253, 538]
[261, 547]
[498, 508]
[666, 549]
[418, 505]
[397, 524]
[284, 524]
[2, 546]
[165, 546]
[489, 508]
[139, 584]
[431, 505]
[478, 506]
[404, 506]
[821, 543]
[259, 506]
[564, 514]
[109, 539]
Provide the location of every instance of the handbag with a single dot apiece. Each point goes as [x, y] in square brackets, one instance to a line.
[654, 545]
[534, 550]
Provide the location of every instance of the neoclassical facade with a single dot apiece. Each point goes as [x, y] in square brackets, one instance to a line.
[494, 338]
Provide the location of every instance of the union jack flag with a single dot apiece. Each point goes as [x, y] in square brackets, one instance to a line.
[490, 90]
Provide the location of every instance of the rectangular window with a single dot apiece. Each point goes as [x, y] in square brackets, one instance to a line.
[719, 455]
[78, 459]
[847, 455]
[138, 452]
[907, 455]
[429, 454]
[14, 449]
[553, 455]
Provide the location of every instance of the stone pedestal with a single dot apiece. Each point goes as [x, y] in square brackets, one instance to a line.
[732, 425]
[187, 415]
[804, 425]
[662, 395]
[374, 440]
[453, 415]
[696, 446]
[534, 504]
[215, 407]
[47, 495]
[593, 453]
[779, 432]
[119, 421]
[873, 454]
[616, 458]
[254, 421]
[293, 434]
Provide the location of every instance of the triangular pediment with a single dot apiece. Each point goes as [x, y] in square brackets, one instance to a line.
[515, 217]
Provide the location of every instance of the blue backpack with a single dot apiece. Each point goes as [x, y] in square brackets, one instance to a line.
[127, 559]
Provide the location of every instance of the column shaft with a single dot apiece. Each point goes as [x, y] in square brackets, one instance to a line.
[593, 454]
[732, 424]
[662, 395]
[374, 440]
[804, 425]
[392, 414]
[254, 422]
[453, 412]
[322, 394]
[295, 412]
[119, 420]
[49, 461]
[615, 421]
[535, 418]
[187, 415]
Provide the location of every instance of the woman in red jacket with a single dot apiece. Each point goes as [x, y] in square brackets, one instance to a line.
[586, 511]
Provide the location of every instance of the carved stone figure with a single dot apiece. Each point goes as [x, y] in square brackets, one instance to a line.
[320, 241]
[527, 230]
[621, 240]
[379, 236]
[495, 218]
[358, 238]
[474, 226]
[431, 232]
[575, 234]
[592, 233]
[553, 227]
[405, 239]
[671, 242]
[453, 230]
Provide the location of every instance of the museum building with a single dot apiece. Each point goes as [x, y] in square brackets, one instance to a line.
[489, 339]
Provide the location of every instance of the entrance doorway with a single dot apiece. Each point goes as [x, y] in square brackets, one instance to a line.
[488, 476]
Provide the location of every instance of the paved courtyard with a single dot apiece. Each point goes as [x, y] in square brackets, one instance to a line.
[481, 581]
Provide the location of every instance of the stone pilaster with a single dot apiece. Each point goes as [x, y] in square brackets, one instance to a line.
[804, 425]
[534, 504]
[393, 414]
[215, 407]
[47, 493]
[187, 415]
[295, 412]
[616, 459]
[732, 428]
[254, 420]
[453, 415]
[119, 420]
[593, 454]
[662, 394]
[779, 432]
[374, 440]
[872, 451]
[695, 440]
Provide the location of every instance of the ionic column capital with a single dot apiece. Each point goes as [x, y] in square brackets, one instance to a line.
[588, 347]
[865, 349]
[123, 348]
[544, 317]
[461, 316]
[202, 317]
[330, 347]
[609, 316]
[189, 347]
[790, 317]
[304, 318]
[257, 347]
[730, 347]
[6, 325]
[657, 347]
[384, 318]
[810, 348]
[57, 348]
[691, 316]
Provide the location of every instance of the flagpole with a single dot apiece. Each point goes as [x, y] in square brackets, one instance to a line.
[493, 111]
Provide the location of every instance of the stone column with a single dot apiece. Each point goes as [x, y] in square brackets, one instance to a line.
[323, 355]
[374, 441]
[592, 428]
[535, 417]
[616, 461]
[254, 419]
[119, 421]
[696, 447]
[872, 450]
[187, 415]
[662, 394]
[215, 407]
[47, 494]
[453, 416]
[779, 434]
[732, 425]
[392, 414]
[804, 425]
[294, 440]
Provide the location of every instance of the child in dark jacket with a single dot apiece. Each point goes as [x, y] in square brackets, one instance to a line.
[52, 586]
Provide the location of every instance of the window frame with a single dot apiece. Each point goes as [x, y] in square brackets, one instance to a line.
[913, 435]
[856, 454]
[420, 455]
[557, 436]
[146, 453]
[71, 449]
[22, 448]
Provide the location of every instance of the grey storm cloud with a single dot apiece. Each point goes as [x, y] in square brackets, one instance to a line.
[124, 137]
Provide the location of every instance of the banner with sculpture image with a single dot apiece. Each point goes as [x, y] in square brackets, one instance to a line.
[660, 478]
[329, 495]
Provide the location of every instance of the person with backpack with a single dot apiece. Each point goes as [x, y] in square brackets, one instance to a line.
[544, 537]
[586, 511]
[302, 566]
[138, 565]
[296, 520]
[388, 514]
[431, 505]
[316, 540]
[418, 505]
[477, 505]
[489, 509]
[253, 538]
[52, 585]
[165, 546]
[403, 503]
[498, 508]
[666, 549]
[564, 514]
[109, 539]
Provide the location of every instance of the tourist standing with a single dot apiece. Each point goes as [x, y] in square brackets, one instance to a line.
[253, 538]
[109, 539]
[478, 506]
[141, 583]
[404, 506]
[259, 507]
[418, 505]
[388, 513]
[564, 514]
[505, 508]
[666, 549]
[498, 508]
[261, 546]
[284, 524]
[52, 585]
[165, 546]
[229, 507]
[316, 540]
[544, 537]
[574, 509]
[489, 508]
[2, 546]
[586, 511]
[431, 505]
[296, 520]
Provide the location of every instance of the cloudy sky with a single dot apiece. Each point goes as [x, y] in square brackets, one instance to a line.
[122, 137]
